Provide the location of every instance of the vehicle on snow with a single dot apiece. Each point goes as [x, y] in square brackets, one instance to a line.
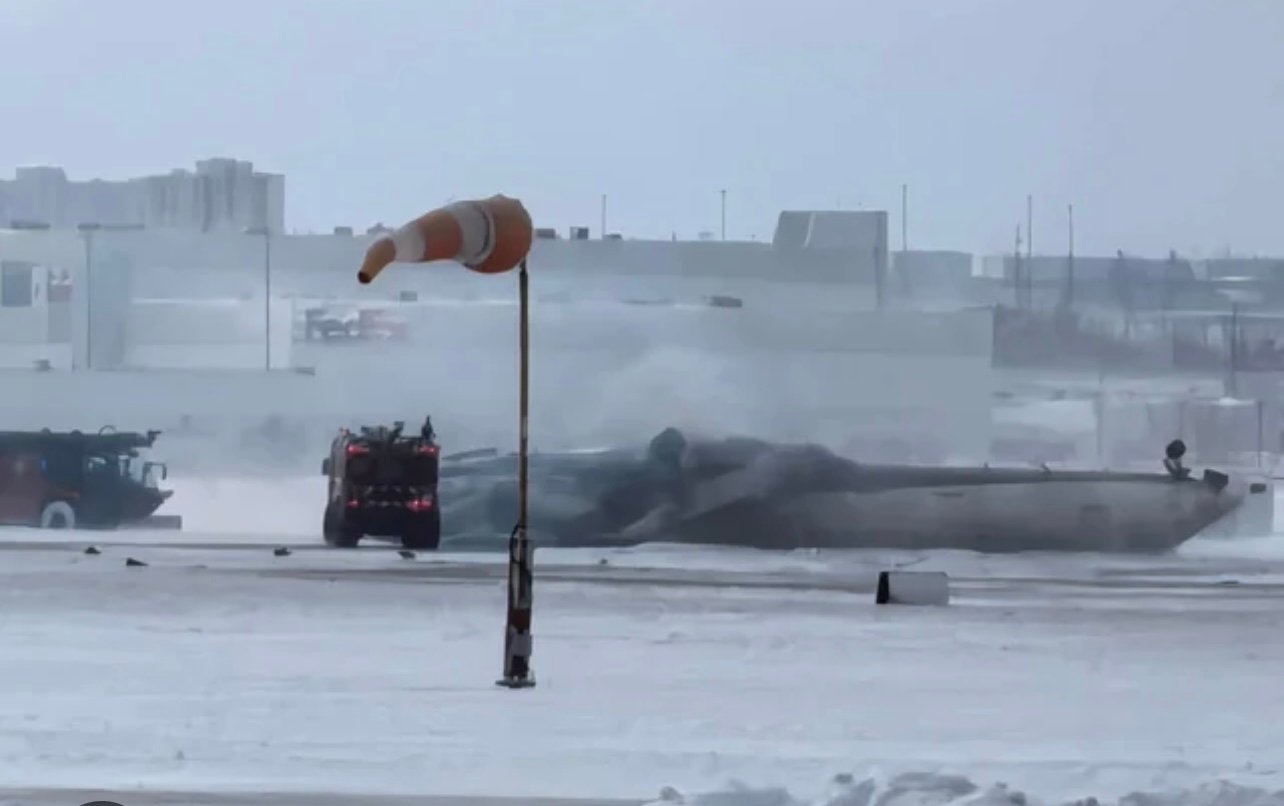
[69, 480]
[383, 483]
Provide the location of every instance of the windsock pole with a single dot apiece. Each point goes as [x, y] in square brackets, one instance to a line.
[487, 236]
[517, 636]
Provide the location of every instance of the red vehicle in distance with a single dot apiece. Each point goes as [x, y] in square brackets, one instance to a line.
[73, 480]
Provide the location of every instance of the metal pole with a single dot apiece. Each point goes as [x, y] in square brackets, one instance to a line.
[1101, 416]
[724, 215]
[1232, 385]
[89, 299]
[1016, 269]
[517, 636]
[904, 218]
[1029, 226]
[1029, 249]
[603, 236]
[1070, 266]
[880, 274]
[1259, 433]
[267, 301]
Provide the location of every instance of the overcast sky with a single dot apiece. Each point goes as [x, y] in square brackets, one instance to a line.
[1162, 121]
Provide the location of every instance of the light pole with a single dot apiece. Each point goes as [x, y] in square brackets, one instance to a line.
[267, 293]
[603, 235]
[88, 230]
[1070, 262]
[1029, 249]
[1016, 270]
[724, 214]
[1029, 226]
[904, 218]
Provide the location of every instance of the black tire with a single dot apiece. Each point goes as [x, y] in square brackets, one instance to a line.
[58, 515]
[337, 532]
[423, 532]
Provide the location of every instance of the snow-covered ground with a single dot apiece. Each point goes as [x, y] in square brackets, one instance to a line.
[222, 667]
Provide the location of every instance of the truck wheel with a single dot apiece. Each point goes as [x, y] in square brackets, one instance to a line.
[423, 533]
[336, 532]
[58, 515]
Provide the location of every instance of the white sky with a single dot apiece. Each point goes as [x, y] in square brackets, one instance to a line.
[1162, 121]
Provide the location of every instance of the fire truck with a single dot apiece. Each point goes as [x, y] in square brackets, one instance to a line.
[74, 480]
[383, 483]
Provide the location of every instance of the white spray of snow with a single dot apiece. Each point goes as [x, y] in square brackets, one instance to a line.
[934, 789]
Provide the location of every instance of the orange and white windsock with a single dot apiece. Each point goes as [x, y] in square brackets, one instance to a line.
[486, 235]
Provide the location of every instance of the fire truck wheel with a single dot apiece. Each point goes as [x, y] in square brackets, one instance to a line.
[423, 532]
[58, 515]
[337, 533]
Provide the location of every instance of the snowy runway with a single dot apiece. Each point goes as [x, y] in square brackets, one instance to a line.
[231, 669]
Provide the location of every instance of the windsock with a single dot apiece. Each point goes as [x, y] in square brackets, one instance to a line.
[489, 236]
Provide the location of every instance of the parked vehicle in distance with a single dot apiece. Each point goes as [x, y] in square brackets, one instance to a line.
[334, 322]
[73, 480]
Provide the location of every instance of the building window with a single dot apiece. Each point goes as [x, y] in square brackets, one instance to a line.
[15, 285]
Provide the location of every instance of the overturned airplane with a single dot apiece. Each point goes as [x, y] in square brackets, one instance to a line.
[748, 492]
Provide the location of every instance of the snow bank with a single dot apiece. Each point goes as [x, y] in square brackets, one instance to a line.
[932, 789]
